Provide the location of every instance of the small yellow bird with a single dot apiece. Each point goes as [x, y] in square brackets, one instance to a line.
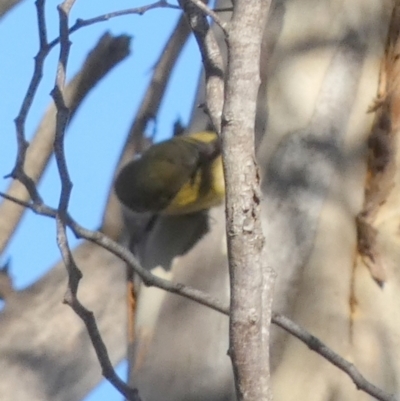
[178, 176]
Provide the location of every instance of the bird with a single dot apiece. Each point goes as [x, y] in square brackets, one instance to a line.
[178, 176]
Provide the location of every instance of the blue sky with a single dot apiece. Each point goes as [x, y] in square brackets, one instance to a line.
[97, 133]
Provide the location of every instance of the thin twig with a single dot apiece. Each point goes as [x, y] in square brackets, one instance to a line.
[212, 60]
[18, 171]
[320, 348]
[80, 23]
[207, 300]
[58, 94]
[74, 274]
[124, 254]
[32, 88]
[101, 351]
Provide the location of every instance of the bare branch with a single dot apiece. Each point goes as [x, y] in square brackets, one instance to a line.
[320, 348]
[115, 248]
[101, 350]
[18, 170]
[74, 274]
[80, 23]
[137, 10]
[212, 60]
[250, 278]
[58, 94]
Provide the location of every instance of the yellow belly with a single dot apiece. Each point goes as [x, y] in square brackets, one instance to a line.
[191, 198]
